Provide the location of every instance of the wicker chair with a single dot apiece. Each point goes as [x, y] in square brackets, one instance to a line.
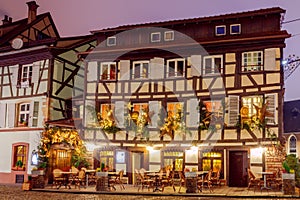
[58, 179]
[206, 182]
[80, 180]
[253, 181]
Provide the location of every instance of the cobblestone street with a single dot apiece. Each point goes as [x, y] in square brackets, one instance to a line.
[15, 192]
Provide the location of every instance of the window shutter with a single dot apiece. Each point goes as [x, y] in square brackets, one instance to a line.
[14, 74]
[154, 107]
[3, 115]
[192, 105]
[34, 114]
[92, 72]
[36, 71]
[11, 111]
[271, 108]
[233, 110]
[124, 69]
[119, 113]
[196, 66]
[157, 68]
[270, 59]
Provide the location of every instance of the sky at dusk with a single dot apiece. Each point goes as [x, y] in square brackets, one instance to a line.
[78, 17]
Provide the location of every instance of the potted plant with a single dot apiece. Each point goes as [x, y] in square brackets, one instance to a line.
[291, 169]
[19, 165]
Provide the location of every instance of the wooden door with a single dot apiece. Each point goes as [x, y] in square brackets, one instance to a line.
[238, 163]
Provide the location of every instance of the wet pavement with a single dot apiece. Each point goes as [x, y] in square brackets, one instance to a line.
[15, 192]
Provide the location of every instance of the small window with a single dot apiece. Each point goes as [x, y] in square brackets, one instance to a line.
[111, 41]
[24, 110]
[176, 67]
[169, 35]
[108, 71]
[26, 76]
[252, 61]
[155, 37]
[235, 29]
[19, 156]
[220, 30]
[140, 69]
[213, 64]
[292, 145]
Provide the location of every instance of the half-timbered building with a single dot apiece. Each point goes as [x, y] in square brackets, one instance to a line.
[37, 75]
[198, 94]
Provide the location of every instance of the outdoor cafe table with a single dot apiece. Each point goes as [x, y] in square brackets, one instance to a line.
[157, 180]
[202, 173]
[265, 179]
[66, 176]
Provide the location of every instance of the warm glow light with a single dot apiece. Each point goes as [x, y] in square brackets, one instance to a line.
[194, 148]
[90, 146]
[149, 148]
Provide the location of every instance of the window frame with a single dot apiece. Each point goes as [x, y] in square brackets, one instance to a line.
[26, 113]
[289, 145]
[111, 41]
[220, 26]
[109, 75]
[235, 33]
[26, 76]
[213, 66]
[251, 109]
[169, 32]
[176, 74]
[104, 112]
[153, 35]
[16, 156]
[253, 66]
[142, 63]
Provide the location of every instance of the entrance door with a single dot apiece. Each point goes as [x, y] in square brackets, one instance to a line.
[238, 163]
[137, 163]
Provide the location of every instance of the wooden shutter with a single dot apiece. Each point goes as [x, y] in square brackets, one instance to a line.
[34, 114]
[271, 108]
[124, 69]
[92, 72]
[192, 106]
[233, 110]
[14, 70]
[36, 71]
[11, 115]
[154, 107]
[119, 113]
[270, 59]
[157, 68]
[196, 66]
[2, 115]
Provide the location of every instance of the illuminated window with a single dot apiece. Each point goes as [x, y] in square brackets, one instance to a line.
[214, 107]
[19, 156]
[107, 159]
[107, 110]
[173, 159]
[250, 103]
[252, 61]
[108, 71]
[174, 108]
[140, 69]
[175, 67]
[211, 160]
[213, 64]
[169, 35]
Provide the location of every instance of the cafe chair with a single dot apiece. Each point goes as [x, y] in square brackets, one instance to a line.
[182, 182]
[138, 180]
[145, 182]
[253, 181]
[215, 180]
[168, 180]
[80, 179]
[206, 182]
[118, 180]
[58, 179]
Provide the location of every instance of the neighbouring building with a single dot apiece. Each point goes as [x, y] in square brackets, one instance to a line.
[291, 113]
[37, 75]
[202, 93]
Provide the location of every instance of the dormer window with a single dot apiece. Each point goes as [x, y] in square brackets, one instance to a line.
[111, 41]
[235, 29]
[155, 37]
[169, 36]
[220, 30]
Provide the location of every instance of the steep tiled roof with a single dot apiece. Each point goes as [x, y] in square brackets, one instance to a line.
[291, 116]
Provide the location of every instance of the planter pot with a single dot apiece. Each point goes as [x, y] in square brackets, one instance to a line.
[26, 186]
[101, 174]
[288, 183]
[38, 172]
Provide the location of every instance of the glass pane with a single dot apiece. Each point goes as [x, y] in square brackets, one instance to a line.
[206, 166]
[180, 68]
[217, 165]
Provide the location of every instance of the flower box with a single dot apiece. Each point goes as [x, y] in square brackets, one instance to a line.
[101, 174]
[38, 172]
[288, 183]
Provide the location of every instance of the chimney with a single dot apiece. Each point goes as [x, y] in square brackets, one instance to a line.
[6, 20]
[32, 10]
